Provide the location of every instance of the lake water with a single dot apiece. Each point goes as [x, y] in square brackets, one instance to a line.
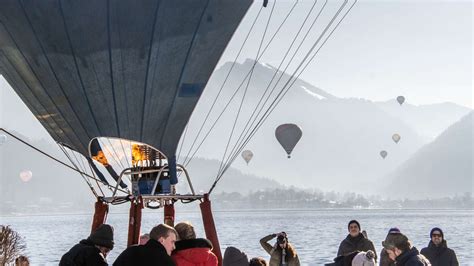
[316, 234]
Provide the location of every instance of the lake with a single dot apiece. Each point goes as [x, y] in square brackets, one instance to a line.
[316, 234]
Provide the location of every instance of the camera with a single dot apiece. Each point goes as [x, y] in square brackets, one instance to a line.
[281, 239]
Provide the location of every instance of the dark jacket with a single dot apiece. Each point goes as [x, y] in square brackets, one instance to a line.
[440, 255]
[358, 243]
[276, 253]
[412, 258]
[152, 253]
[190, 252]
[85, 253]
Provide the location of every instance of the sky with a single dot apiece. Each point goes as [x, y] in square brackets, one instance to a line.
[382, 49]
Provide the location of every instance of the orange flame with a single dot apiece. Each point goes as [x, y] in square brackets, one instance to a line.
[100, 157]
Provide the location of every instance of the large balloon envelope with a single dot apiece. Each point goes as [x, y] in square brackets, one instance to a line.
[247, 155]
[396, 138]
[288, 135]
[400, 100]
[383, 154]
[26, 175]
[132, 69]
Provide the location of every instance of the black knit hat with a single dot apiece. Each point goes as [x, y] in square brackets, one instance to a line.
[103, 236]
[353, 222]
[436, 229]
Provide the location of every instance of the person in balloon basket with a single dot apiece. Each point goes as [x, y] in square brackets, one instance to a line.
[355, 241]
[91, 251]
[400, 249]
[282, 253]
[190, 250]
[437, 251]
[157, 251]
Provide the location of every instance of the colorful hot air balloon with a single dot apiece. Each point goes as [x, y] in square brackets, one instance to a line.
[26, 175]
[396, 138]
[383, 154]
[288, 135]
[400, 100]
[247, 155]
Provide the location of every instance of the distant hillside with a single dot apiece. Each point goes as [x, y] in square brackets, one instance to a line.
[420, 118]
[443, 167]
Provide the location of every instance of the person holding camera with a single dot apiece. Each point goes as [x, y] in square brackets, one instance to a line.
[282, 253]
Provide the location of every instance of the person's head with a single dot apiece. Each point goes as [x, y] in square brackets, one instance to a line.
[144, 239]
[22, 261]
[185, 230]
[354, 228]
[436, 235]
[396, 244]
[364, 259]
[103, 238]
[257, 261]
[282, 240]
[166, 235]
[234, 257]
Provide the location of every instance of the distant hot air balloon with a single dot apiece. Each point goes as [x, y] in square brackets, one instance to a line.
[3, 139]
[400, 100]
[247, 155]
[288, 135]
[383, 154]
[26, 175]
[396, 138]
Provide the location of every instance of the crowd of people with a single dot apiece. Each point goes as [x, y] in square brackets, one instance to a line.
[179, 246]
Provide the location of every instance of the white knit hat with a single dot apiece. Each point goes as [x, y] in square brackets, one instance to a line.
[364, 259]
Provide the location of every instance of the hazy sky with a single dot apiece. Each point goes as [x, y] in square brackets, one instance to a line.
[419, 49]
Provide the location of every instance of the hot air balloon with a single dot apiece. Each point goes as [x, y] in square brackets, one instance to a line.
[26, 175]
[383, 154]
[288, 135]
[396, 138]
[400, 100]
[247, 155]
[3, 139]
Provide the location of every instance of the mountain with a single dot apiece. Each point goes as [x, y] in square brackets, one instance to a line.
[342, 137]
[441, 168]
[420, 118]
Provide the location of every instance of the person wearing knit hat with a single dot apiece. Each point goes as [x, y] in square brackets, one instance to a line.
[234, 257]
[437, 250]
[400, 249]
[355, 241]
[93, 250]
[384, 259]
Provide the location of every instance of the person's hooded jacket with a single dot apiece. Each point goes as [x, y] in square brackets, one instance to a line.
[193, 252]
[440, 255]
[412, 257]
[86, 252]
[358, 243]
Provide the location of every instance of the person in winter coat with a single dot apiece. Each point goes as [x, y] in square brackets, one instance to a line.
[282, 253]
[234, 257]
[438, 252]
[91, 251]
[191, 251]
[400, 249]
[355, 241]
[384, 259]
[157, 251]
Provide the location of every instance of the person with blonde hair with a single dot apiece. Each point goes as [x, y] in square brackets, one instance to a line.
[191, 250]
